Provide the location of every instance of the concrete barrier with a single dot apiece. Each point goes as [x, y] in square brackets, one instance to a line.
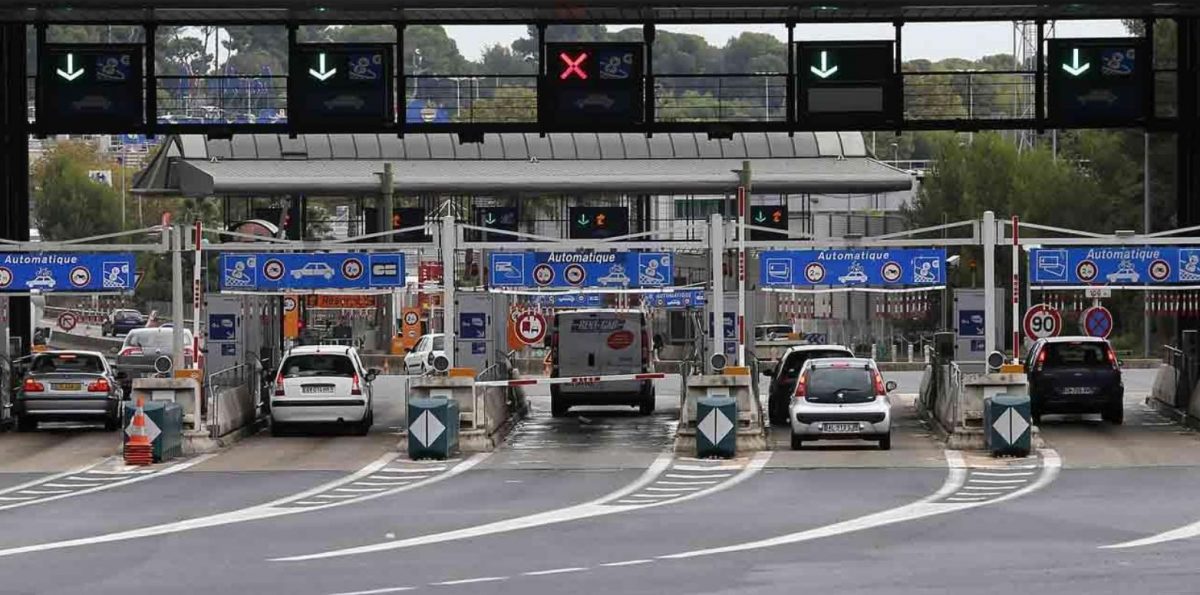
[485, 413]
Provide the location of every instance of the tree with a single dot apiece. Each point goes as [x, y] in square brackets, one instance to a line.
[67, 203]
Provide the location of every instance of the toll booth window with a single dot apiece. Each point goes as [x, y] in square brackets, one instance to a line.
[66, 363]
[318, 364]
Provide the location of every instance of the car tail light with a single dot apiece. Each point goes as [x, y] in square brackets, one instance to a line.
[1112, 357]
[131, 351]
[99, 386]
[279, 385]
[1041, 360]
[880, 389]
[801, 387]
[32, 386]
[355, 388]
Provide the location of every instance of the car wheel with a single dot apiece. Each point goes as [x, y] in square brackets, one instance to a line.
[885, 443]
[1114, 414]
[363, 427]
[278, 429]
[797, 443]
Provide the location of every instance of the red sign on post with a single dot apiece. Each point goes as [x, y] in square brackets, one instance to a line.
[1042, 321]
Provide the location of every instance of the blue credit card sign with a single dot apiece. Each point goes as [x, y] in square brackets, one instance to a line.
[874, 267]
[472, 325]
[681, 299]
[1114, 266]
[60, 272]
[308, 271]
[615, 270]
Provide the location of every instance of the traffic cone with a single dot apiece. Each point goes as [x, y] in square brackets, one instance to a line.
[138, 450]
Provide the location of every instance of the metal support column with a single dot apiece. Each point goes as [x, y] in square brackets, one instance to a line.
[988, 238]
[716, 240]
[14, 164]
[744, 194]
[177, 232]
[449, 237]
[1187, 170]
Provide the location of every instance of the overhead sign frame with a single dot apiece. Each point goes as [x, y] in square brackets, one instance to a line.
[856, 267]
[1098, 81]
[335, 87]
[297, 272]
[588, 85]
[89, 88]
[66, 272]
[851, 82]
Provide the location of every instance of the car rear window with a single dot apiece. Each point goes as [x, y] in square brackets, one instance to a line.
[796, 361]
[155, 339]
[128, 315]
[828, 381]
[439, 343]
[67, 363]
[318, 364]
[1075, 354]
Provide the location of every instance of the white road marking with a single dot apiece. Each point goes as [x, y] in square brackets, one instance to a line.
[626, 563]
[923, 508]
[377, 591]
[359, 490]
[989, 474]
[468, 581]
[610, 504]
[1184, 532]
[309, 503]
[654, 495]
[381, 483]
[16, 498]
[555, 571]
[693, 476]
[123, 481]
[989, 487]
[964, 499]
[275, 508]
[709, 468]
[687, 483]
[336, 496]
[998, 481]
[677, 490]
[55, 477]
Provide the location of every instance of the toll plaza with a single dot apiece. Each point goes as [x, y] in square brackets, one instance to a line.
[547, 310]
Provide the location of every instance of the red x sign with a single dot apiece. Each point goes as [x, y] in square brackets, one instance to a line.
[573, 66]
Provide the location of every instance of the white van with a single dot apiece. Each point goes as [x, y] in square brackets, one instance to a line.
[600, 343]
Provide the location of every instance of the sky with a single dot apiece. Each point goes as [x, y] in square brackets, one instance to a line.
[932, 41]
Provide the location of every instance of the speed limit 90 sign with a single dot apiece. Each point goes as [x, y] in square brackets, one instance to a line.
[1042, 321]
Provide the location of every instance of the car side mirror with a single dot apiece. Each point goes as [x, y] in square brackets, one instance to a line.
[122, 375]
[372, 374]
[890, 386]
[113, 350]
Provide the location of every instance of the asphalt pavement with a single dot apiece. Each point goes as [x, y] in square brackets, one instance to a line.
[597, 502]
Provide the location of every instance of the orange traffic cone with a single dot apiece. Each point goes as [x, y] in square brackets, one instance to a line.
[138, 450]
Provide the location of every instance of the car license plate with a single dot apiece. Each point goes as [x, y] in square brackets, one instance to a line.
[316, 388]
[839, 428]
[1078, 390]
[66, 386]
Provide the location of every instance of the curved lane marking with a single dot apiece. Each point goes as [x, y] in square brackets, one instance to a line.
[932, 505]
[275, 508]
[612, 503]
[113, 476]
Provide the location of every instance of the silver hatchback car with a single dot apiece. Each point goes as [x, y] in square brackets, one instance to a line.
[841, 399]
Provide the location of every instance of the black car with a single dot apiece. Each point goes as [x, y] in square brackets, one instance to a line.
[783, 380]
[121, 322]
[1075, 375]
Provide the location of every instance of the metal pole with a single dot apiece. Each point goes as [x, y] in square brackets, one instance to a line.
[177, 297]
[449, 231]
[1145, 230]
[1016, 290]
[716, 240]
[743, 199]
[988, 240]
[197, 265]
[384, 207]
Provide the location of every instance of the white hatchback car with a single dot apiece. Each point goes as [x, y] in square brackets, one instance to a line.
[428, 347]
[322, 384]
[841, 399]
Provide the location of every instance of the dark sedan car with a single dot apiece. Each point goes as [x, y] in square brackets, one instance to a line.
[121, 322]
[1075, 375]
[68, 386]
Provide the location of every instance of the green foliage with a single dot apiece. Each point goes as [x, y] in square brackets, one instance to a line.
[67, 203]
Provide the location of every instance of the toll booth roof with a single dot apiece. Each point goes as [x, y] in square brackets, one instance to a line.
[675, 163]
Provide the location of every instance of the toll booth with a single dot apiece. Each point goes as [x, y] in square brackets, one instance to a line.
[480, 339]
[241, 329]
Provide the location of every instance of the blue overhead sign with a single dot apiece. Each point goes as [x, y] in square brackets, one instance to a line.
[867, 267]
[23, 272]
[616, 270]
[312, 271]
[569, 300]
[680, 299]
[1114, 266]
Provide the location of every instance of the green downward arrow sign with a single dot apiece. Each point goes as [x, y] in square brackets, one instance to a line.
[489, 219]
[759, 218]
[583, 220]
